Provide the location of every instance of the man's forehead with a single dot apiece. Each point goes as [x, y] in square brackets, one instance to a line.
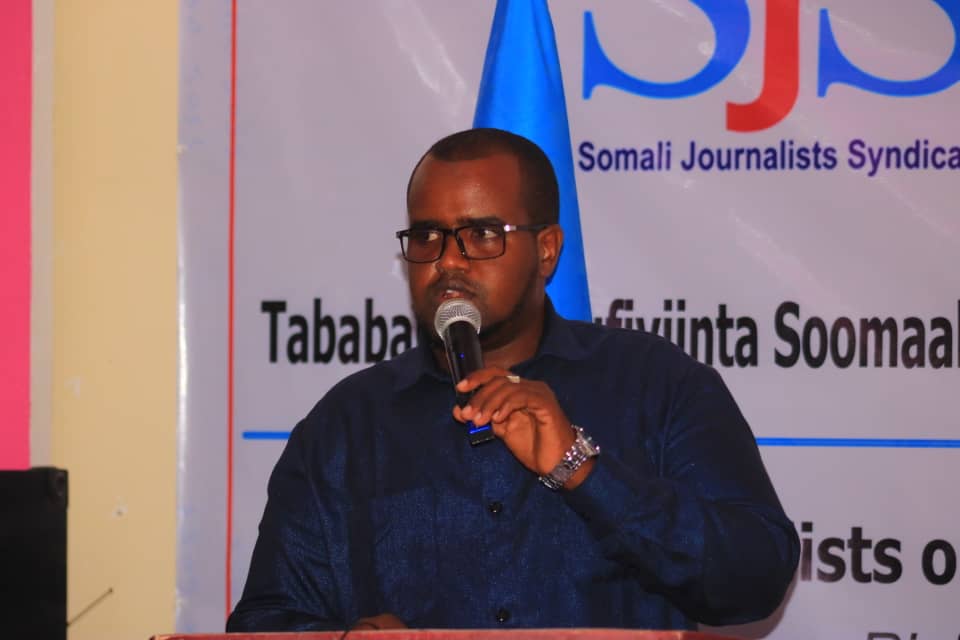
[426, 220]
[450, 193]
[498, 167]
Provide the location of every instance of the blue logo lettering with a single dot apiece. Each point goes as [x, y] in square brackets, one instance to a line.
[731, 24]
[834, 67]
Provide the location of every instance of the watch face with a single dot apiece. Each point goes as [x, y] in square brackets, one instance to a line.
[583, 449]
[586, 444]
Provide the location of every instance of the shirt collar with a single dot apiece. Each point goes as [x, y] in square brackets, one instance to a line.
[559, 340]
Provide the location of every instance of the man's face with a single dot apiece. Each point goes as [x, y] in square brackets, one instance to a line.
[454, 194]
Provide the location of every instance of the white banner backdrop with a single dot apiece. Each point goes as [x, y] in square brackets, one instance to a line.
[807, 249]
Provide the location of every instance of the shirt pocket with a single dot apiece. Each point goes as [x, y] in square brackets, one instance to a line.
[405, 553]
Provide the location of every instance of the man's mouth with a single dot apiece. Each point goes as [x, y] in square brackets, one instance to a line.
[448, 290]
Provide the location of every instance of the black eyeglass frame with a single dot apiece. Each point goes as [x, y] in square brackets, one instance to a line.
[455, 232]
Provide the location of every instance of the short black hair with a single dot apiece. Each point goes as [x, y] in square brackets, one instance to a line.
[540, 192]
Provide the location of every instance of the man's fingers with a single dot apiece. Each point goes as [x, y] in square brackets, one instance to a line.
[480, 398]
[481, 377]
[499, 429]
[489, 404]
[498, 399]
[497, 394]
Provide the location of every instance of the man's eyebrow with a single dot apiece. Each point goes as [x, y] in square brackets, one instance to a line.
[462, 221]
[479, 220]
[426, 224]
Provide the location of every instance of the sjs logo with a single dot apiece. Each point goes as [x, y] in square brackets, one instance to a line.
[730, 20]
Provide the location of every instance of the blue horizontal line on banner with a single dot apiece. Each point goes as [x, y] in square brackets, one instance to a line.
[885, 443]
[265, 435]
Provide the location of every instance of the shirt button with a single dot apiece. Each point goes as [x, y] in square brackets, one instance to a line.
[495, 507]
[502, 615]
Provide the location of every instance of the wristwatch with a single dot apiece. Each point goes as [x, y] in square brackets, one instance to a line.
[582, 449]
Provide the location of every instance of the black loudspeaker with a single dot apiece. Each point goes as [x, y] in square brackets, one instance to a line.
[33, 554]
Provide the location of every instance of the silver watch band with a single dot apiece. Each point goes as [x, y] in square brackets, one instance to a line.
[582, 449]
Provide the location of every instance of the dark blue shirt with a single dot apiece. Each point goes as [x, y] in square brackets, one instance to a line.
[379, 504]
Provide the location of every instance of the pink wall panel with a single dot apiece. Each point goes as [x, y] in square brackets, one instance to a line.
[16, 53]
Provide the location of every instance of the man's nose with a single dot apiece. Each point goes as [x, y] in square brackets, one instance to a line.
[452, 258]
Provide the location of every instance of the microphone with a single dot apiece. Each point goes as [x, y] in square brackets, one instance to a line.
[457, 323]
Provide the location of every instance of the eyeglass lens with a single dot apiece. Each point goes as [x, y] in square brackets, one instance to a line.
[477, 242]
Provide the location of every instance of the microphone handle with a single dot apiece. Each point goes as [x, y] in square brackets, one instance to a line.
[464, 356]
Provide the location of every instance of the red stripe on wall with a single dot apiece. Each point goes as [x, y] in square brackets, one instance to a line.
[230, 298]
[16, 58]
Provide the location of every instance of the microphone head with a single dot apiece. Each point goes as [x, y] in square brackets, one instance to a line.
[455, 310]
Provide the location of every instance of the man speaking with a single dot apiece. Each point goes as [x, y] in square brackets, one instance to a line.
[592, 477]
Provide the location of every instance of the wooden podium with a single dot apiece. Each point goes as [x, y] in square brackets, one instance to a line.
[458, 634]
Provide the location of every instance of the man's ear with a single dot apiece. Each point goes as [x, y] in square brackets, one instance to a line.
[549, 245]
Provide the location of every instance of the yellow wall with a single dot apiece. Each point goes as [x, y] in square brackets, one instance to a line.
[114, 307]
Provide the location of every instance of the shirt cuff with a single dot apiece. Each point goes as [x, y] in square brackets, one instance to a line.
[608, 494]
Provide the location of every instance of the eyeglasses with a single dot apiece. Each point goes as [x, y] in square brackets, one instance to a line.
[475, 241]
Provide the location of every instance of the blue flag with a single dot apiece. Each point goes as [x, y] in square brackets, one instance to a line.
[521, 91]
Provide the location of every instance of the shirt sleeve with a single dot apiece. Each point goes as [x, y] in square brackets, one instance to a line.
[290, 581]
[703, 524]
